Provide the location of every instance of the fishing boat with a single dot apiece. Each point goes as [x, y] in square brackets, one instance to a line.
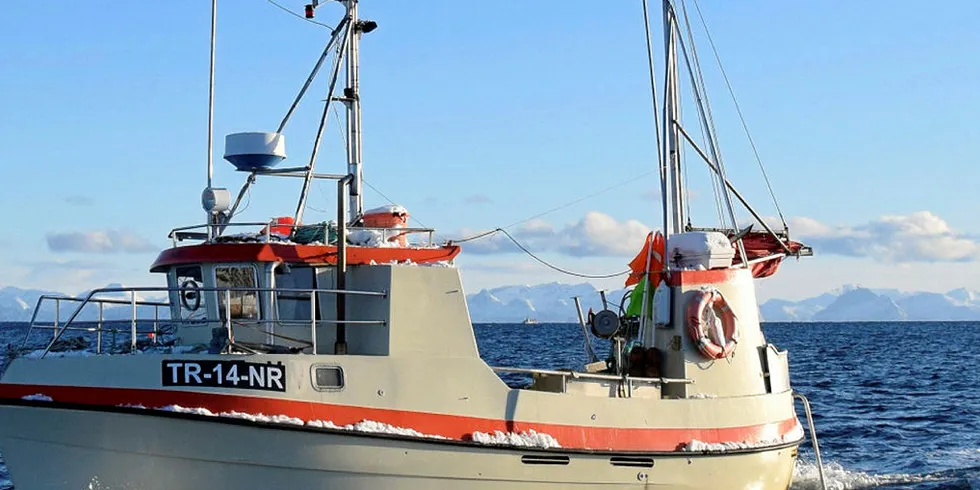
[529, 321]
[341, 354]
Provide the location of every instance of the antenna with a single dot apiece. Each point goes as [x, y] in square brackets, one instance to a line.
[214, 12]
[214, 201]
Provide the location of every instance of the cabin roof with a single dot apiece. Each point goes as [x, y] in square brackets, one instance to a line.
[298, 254]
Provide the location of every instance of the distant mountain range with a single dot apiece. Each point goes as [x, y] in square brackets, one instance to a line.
[552, 302]
[853, 303]
[17, 305]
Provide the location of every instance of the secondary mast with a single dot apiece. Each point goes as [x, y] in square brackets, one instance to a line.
[353, 101]
[671, 172]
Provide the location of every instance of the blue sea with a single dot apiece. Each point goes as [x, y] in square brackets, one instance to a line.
[896, 405]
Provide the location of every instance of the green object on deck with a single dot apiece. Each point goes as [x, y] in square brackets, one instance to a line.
[635, 307]
[324, 232]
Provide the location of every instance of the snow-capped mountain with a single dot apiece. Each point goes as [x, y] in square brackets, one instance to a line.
[853, 303]
[552, 302]
[861, 305]
[17, 305]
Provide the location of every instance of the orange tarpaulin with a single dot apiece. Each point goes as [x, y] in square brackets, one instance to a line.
[638, 266]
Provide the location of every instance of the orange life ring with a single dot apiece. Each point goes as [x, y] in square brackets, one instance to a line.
[706, 335]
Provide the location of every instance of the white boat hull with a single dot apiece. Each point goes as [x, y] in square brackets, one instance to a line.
[60, 448]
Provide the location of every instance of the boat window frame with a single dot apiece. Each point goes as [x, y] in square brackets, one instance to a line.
[219, 295]
[317, 387]
[276, 295]
[175, 292]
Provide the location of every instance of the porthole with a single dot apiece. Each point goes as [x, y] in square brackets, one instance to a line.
[327, 378]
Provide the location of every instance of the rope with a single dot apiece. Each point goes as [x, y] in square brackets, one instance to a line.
[539, 259]
[738, 109]
[248, 195]
[300, 16]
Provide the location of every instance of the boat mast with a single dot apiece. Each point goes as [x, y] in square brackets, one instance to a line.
[671, 172]
[353, 102]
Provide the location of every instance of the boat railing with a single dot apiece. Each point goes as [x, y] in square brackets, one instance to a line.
[565, 375]
[151, 328]
[208, 232]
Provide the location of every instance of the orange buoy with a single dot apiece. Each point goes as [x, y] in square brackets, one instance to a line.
[282, 225]
[704, 312]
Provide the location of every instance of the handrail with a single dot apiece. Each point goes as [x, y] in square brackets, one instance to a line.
[102, 300]
[577, 375]
[813, 435]
[91, 298]
[98, 301]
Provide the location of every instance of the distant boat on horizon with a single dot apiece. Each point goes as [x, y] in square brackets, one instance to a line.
[529, 321]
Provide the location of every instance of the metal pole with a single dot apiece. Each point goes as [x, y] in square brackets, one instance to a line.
[316, 68]
[313, 320]
[98, 334]
[340, 346]
[813, 437]
[645, 303]
[156, 323]
[319, 133]
[734, 191]
[228, 314]
[57, 316]
[214, 22]
[132, 328]
[354, 112]
[672, 156]
[585, 332]
[653, 79]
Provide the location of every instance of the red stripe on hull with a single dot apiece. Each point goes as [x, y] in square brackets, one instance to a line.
[296, 254]
[451, 426]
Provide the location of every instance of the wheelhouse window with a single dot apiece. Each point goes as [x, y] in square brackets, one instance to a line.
[243, 304]
[190, 299]
[294, 305]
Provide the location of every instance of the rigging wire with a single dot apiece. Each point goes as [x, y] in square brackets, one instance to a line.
[542, 261]
[706, 125]
[707, 118]
[301, 17]
[653, 82]
[738, 109]
[589, 196]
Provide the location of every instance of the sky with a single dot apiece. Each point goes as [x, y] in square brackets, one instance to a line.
[480, 115]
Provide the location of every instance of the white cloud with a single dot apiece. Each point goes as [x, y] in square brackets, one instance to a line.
[596, 234]
[917, 237]
[99, 241]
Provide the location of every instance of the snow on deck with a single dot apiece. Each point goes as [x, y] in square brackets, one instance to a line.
[697, 446]
[531, 438]
[38, 397]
